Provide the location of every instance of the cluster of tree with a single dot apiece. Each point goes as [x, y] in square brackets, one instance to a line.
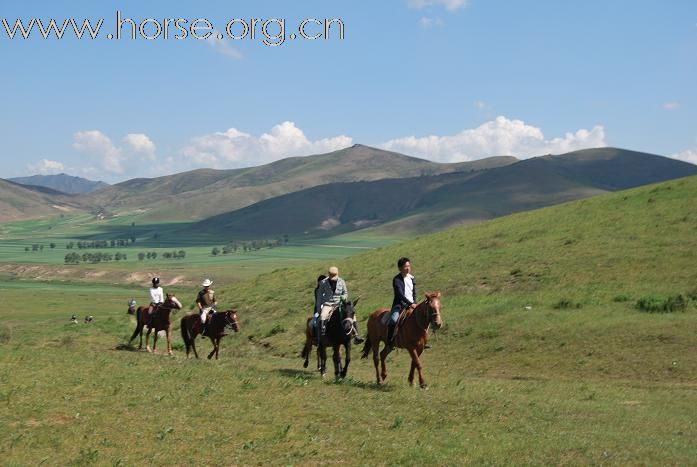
[38, 247]
[116, 243]
[181, 254]
[76, 258]
[253, 245]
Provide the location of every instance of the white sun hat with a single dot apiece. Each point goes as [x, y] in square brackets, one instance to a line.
[207, 283]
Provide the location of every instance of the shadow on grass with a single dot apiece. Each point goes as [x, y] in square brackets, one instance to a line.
[294, 373]
[126, 347]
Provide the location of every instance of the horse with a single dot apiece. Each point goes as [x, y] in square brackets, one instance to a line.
[411, 334]
[159, 322]
[339, 331]
[215, 330]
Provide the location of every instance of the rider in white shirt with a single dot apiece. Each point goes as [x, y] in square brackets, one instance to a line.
[157, 295]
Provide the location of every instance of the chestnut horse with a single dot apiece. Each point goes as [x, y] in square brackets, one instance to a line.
[159, 321]
[340, 330]
[215, 330]
[411, 334]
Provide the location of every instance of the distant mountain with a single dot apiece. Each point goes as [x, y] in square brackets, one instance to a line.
[61, 182]
[18, 202]
[203, 193]
[432, 202]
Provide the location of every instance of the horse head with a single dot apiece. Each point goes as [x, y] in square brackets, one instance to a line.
[171, 302]
[349, 316]
[433, 300]
[231, 320]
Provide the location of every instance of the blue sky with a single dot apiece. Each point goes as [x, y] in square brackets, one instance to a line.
[446, 80]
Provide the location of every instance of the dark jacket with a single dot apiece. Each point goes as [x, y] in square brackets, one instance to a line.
[399, 293]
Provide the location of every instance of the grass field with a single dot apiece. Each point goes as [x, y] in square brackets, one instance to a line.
[544, 357]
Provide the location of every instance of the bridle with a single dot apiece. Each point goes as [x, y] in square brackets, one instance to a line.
[432, 314]
[229, 321]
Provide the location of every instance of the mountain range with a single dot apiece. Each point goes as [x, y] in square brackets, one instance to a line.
[352, 189]
[64, 183]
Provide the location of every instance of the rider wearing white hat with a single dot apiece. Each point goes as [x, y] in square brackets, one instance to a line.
[331, 294]
[205, 301]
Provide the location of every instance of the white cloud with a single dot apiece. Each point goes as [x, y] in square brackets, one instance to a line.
[450, 5]
[96, 144]
[501, 136]
[46, 167]
[140, 143]
[671, 106]
[222, 46]
[687, 156]
[430, 23]
[234, 148]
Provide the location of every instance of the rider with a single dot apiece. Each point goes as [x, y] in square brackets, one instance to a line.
[205, 301]
[318, 305]
[404, 287]
[157, 296]
[331, 293]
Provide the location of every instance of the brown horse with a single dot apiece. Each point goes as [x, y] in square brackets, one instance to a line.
[215, 330]
[411, 334]
[159, 321]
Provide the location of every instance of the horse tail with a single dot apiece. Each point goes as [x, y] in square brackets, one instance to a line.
[185, 333]
[367, 347]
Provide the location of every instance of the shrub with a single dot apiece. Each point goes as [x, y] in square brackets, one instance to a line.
[652, 304]
[566, 304]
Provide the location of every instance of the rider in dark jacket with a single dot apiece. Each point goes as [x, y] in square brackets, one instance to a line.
[404, 287]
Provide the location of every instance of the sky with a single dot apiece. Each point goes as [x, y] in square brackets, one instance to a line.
[445, 80]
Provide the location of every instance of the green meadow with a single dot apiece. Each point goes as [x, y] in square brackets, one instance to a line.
[569, 339]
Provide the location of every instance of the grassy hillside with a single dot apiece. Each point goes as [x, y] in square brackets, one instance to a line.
[544, 357]
[430, 203]
[19, 202]
[202, 193]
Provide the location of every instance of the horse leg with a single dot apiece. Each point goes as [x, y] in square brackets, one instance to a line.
[210, 355]
[322, 351]
[217, 347]
[193, 344]
[347, 360]
[307, 350]
[336, 357]
[154, 341]
[376, 347]
[147, 340]
[416, 361]
[411, 373]
[169, 340]
[383, 355]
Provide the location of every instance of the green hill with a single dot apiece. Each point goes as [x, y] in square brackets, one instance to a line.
[580, 266]
[203, 193]
[430, 203]
[19, 202]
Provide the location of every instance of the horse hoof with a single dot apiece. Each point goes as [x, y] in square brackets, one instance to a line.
[424, 386]
[148, 349]
[305, 365]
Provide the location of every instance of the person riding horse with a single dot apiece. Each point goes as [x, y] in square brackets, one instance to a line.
[318, 305]
[157, 296]
[331, 294]
[205, 301]
[404, 287]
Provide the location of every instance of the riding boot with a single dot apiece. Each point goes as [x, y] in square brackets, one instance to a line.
[203, 330]
[390, 336]
[323, 327]
[357, 338]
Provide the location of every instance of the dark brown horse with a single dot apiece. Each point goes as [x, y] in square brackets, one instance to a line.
[159, 321]
[411, 334]
[215, 330]
[340, 331]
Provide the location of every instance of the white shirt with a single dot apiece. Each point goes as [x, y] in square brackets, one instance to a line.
[157, 295]
[409, 287]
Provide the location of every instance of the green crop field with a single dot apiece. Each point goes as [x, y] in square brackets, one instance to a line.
[569, 338]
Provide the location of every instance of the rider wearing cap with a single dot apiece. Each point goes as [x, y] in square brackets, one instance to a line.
[205, 301]
[331, 294]
[157, 295]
